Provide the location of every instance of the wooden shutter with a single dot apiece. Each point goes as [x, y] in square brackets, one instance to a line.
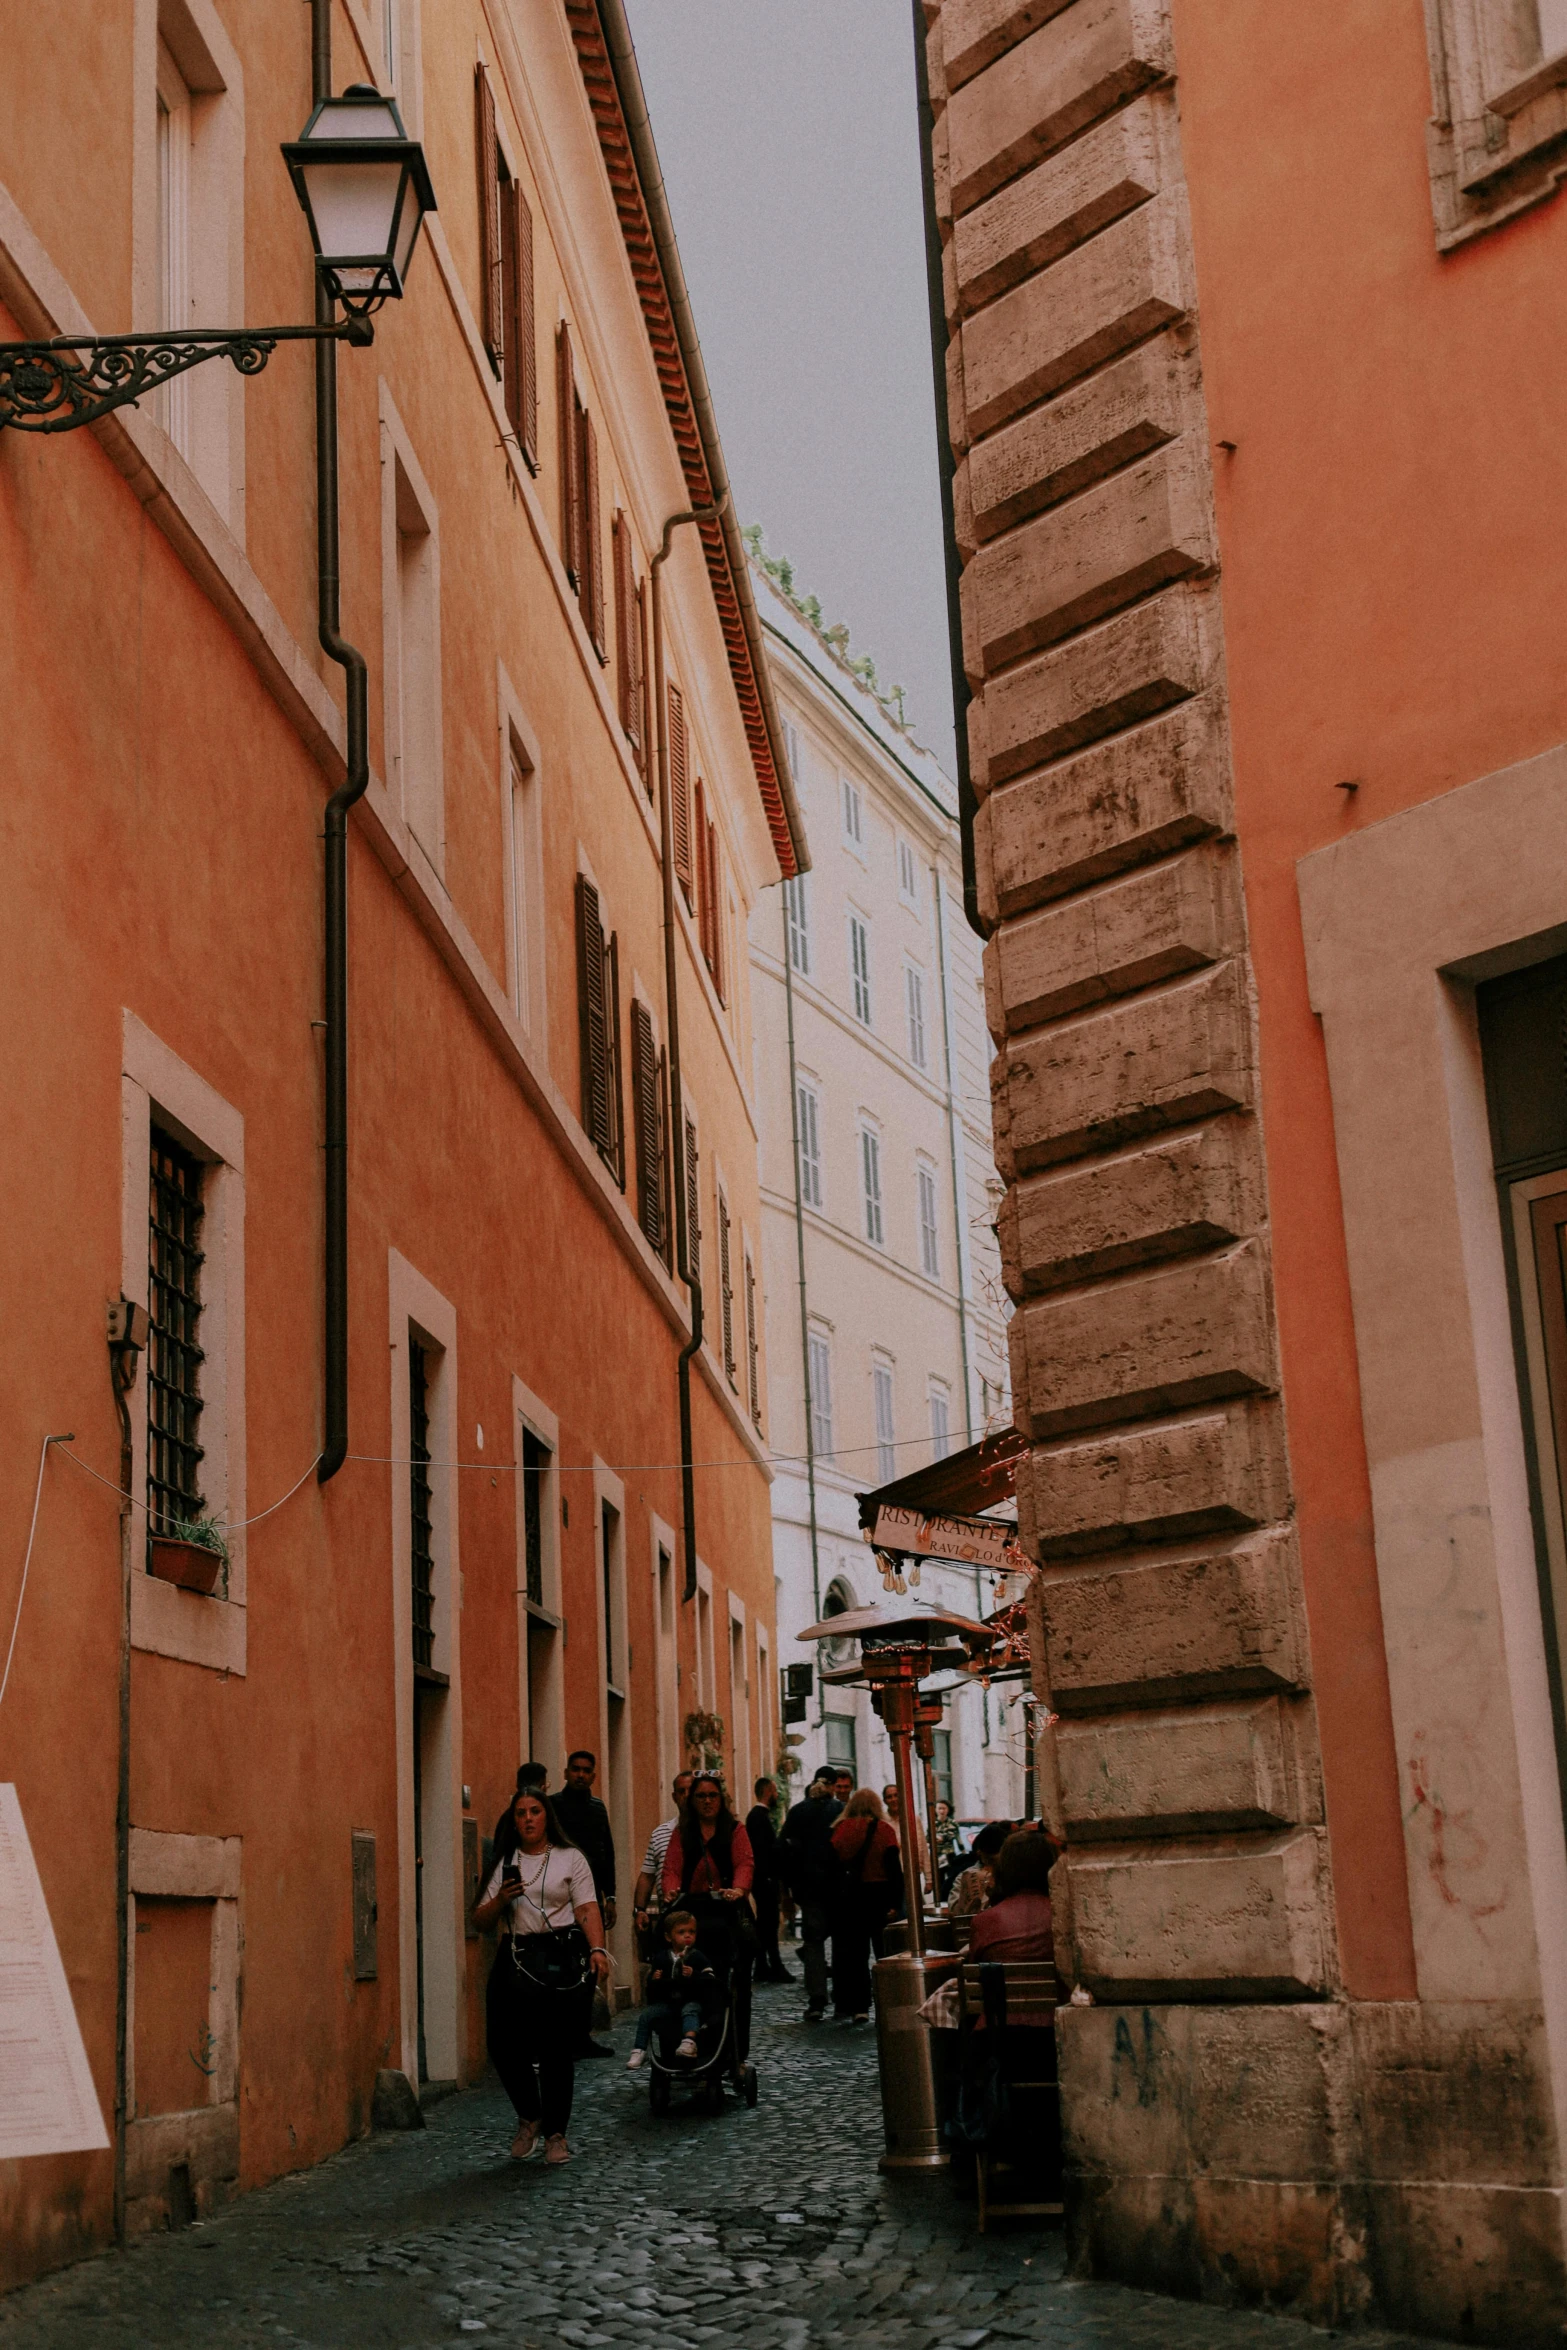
[628, 640]
[704, 896]
[665, 1182]
[491, 299]
[522, 357]
[645, 690]
[592, 1012]
[680, 789]
[693, 1204]
[616, 1122]
[570, 459]
[753, 1372]
[592, 540]
[715, 877]
[726, 1289]
[646, 1124]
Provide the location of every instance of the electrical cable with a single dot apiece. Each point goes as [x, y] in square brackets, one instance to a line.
[122, 1496]
[27, 1559]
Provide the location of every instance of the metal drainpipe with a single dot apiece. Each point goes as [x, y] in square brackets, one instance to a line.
[945, 467]
[805, 1326]
[677, 1122]
[334, 1444]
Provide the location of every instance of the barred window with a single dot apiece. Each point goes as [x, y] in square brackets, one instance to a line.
[174, 1355]
[419, 1504]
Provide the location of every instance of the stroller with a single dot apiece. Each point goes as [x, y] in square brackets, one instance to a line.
[724, 2030]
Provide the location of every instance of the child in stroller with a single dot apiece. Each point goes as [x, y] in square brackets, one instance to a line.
[681, 1988]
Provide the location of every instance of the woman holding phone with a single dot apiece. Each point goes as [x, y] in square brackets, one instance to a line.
[541, 1985]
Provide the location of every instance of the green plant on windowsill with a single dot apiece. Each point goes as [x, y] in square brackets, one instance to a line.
[205, 1533]
[705, 1738]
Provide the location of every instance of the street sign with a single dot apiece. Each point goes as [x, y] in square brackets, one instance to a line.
[972, 1542]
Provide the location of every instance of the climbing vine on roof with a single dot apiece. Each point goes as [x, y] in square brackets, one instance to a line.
[889, 699]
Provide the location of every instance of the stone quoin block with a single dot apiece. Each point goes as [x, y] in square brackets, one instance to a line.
[1201, 1770]
[1129, 1069]
[1184, 1192]
[1130, 408]
[1080, 561]
[1132, 933]
[1249, 1922]
[1059, 204]
[1144, 1343]
[1079, 65]
[957, 413]
[1212, 1472]
[1090, 306]
[976, 32]
[1123, 803]
[1112, 676]
[1163, 1631]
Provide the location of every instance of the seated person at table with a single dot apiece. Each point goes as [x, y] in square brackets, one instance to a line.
[679, 1989]
[972, 1888]
[1016, 1922]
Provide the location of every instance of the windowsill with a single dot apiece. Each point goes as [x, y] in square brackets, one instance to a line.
[1550, 75]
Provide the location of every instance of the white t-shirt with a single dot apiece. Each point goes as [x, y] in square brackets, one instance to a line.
[554, 1885]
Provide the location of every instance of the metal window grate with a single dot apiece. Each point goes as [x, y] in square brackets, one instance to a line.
[174, 1355]
[419, 1506]
[535, 1462]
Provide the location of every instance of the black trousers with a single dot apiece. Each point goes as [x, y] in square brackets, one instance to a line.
[765, 1895]
[858, 1925]
[531, 2035]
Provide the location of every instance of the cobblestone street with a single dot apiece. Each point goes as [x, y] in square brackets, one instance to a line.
[764, 2228]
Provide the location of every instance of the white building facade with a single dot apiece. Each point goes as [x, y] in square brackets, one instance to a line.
[885, 1312]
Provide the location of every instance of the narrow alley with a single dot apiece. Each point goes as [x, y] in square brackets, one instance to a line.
[765, 2228]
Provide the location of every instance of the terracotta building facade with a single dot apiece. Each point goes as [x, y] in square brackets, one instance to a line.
[290, 1776]
[1247, 322]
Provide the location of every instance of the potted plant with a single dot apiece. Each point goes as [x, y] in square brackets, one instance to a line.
[705, 1739]
[193, 1557]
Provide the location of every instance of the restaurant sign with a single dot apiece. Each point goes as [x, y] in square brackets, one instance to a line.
[973, 1542]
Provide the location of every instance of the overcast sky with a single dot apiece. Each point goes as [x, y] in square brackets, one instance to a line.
[789, 139]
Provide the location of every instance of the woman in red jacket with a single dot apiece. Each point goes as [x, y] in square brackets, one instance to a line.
[866, 1843]
[709, 1867]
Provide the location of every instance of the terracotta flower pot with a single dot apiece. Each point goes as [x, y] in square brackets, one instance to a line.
[189, 1564]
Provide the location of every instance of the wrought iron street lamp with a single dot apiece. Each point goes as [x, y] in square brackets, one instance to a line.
[365, 189]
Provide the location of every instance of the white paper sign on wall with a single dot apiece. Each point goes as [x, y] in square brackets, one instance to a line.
[48, 2104]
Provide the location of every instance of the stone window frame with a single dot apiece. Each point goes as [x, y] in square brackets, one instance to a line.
[157, 1086]
[204, 2138]
[1498, 134]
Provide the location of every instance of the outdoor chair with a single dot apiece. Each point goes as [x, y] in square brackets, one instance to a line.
[1025, 2144]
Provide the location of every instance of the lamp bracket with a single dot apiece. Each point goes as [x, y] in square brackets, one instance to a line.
[45, 388]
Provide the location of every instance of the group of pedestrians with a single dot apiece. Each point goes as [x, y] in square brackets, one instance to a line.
[840, 1857]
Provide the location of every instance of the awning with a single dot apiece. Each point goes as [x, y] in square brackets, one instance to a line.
[963, 1485]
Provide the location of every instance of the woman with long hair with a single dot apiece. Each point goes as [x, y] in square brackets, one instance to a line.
[866, 1844]
[551, 1951]
[709, 1865]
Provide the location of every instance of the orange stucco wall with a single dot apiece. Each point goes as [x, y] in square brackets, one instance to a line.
[162, 822]
[1393, 568]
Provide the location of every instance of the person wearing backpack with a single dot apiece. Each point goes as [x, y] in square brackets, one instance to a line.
[865, 1845]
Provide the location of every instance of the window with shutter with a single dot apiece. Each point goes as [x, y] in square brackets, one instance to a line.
[647, 1121]
[726, 1288]
[797, 918]
[644, 687]
[860, 966]
[680, 791]
[807, 1108]
[628, 641]
[870, 1183]
[521, 363]
[752, 1344]
[570, 459]
[693, 1203]
[591, 592]
[914, 996]
[886, 1439]
[715, 920]
[704, 878]
[925, 1201]
[598, 1002]
[617, 1096]
[491, 296]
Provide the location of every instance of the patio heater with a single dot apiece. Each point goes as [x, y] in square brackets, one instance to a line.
[897, 1653]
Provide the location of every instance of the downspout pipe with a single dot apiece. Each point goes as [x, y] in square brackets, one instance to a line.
[334, 1441]
[946, 465]
[677, 1121]
[650, 178]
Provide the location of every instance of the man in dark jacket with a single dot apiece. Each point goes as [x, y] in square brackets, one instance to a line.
[586, 1822]
[765, 1883]
[809, 1867]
